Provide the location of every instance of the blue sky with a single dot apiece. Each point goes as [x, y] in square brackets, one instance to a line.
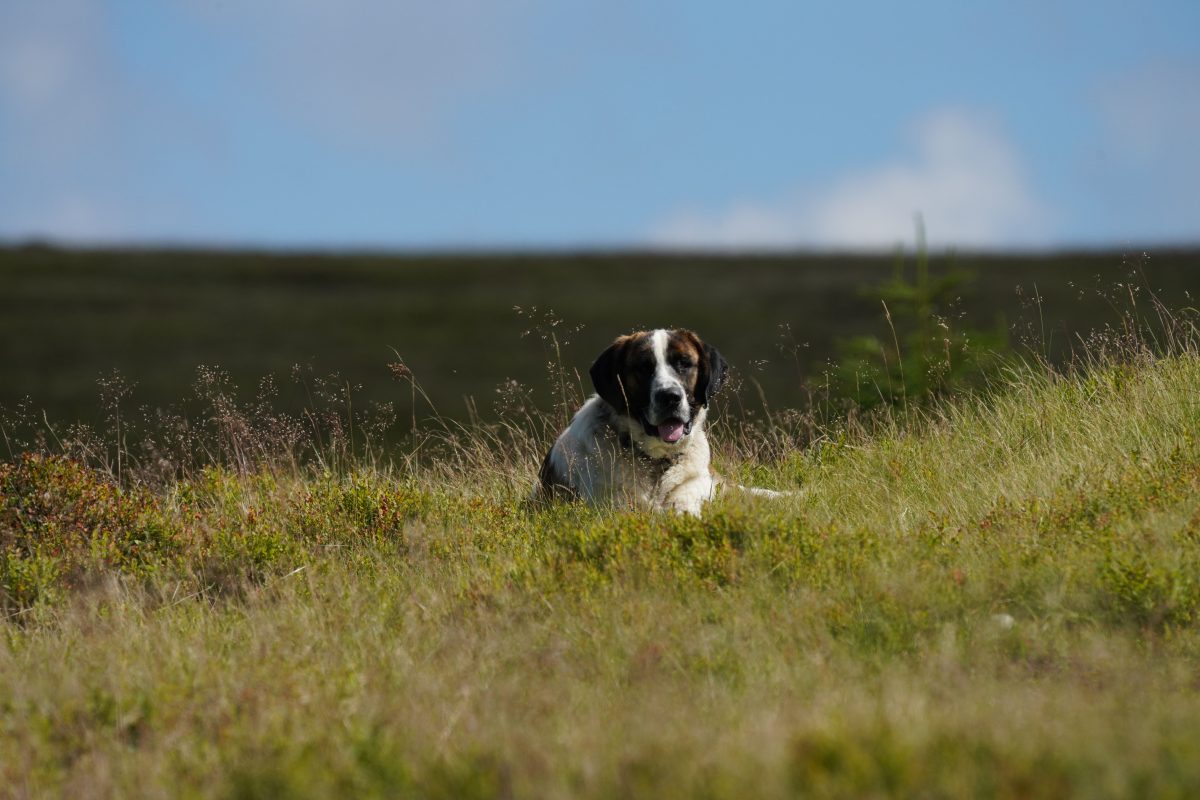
[530, 123]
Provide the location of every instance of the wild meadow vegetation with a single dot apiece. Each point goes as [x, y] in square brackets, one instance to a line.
[987, 585]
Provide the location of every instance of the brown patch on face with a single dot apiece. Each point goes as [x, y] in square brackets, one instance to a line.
[708, 374]
[622, 373]
[638, 370]
[685, 355]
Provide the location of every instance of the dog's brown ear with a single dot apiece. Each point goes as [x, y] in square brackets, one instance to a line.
[712, 374]
[606, 376]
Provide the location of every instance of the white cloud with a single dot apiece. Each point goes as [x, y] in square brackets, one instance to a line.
[80, 124]
[63, 105]
[56, 76]
[377, 72]
[34, 72]
[1151, 165]
[962, 177]
[1150, 112]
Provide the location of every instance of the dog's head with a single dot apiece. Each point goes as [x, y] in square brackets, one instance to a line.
[661, 379]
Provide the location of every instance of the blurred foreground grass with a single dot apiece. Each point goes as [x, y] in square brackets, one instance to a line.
[998, 596]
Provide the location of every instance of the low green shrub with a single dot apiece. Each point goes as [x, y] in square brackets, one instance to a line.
[61, 521]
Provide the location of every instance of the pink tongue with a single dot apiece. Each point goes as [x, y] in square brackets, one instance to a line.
[670, 431]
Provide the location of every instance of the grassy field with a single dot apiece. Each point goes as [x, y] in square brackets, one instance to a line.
[996, 597]
[69, 317]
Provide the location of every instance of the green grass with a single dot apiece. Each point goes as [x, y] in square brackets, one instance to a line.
[997, 597]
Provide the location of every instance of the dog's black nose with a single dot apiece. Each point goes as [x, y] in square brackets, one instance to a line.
[668, 396]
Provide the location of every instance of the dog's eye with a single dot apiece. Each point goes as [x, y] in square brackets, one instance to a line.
[683, 365]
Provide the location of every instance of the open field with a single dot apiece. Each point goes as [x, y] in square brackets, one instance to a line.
[68, 317]
[997, 597]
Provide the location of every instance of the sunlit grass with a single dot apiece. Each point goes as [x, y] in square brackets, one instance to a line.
[997, 596]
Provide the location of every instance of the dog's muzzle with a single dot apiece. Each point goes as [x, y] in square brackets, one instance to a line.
[670, 430]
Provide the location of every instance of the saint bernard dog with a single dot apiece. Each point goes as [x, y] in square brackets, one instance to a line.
[639, 441]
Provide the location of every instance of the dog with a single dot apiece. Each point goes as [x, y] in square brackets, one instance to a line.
[639, 442]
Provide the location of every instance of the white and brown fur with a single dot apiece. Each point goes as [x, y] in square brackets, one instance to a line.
[615, 450]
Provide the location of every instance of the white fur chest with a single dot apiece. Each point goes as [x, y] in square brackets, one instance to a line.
[601, 458]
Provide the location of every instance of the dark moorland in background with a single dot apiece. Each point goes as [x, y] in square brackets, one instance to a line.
[467, 324]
